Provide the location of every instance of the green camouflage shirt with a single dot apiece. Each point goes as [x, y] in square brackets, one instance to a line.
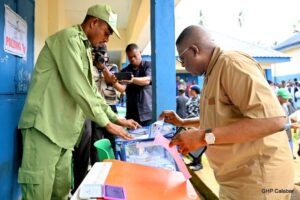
[62, 93]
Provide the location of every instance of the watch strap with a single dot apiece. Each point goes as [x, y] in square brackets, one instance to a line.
[208, 130]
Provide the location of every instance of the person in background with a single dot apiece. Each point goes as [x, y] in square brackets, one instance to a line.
[81, 155]
[295, 124]
[273, 86]
[297, 95]
[103, 71]
[188, 86]
[177, 83]
[292, 89]
[181, 100]
[295, 80]
[192, 110]
[283, 84]
[122, 99]
[62, 95]
[182, 82]
[108, 87]
[192, 106]
[139, 88]
[283, 97]
[242, 128]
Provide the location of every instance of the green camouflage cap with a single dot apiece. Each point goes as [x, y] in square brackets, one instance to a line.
[105, 13]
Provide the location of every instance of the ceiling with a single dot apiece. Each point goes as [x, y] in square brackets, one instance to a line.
[75, 11]
[133, 22]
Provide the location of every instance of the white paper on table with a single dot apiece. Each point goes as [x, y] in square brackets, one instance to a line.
[97, 175]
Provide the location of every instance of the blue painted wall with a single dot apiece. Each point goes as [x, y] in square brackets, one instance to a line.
[268, 73]
[278, 79]
[15, 74]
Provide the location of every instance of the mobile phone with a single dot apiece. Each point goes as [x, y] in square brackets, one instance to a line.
[123, 75]
[111, 192]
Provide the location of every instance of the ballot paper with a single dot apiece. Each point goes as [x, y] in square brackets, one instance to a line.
[156, 127]
[91, 191]
[96, 176]
[161, 140]
[140, 133]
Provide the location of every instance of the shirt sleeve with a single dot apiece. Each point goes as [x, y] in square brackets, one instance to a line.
[246, 87]
[68, 55]
[148, 69]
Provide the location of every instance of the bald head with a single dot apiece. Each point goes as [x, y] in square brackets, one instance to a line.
[195, 35]
[195, 49]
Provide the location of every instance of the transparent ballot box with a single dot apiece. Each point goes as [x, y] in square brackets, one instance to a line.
[143, 150]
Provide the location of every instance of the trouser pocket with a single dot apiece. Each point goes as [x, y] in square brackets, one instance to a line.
[32, 184]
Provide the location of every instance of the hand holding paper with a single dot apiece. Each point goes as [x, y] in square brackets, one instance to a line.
[189, 140]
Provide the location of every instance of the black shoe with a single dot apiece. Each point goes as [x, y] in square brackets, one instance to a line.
[191, 164]
[197, 167]
[298, 152]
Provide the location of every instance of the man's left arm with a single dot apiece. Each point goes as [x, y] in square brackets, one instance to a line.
[145, 80]
[246, 130]
[141, 81]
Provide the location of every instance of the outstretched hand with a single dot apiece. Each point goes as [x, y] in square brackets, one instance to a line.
[128, 123]
[171, 117]
[118, 130]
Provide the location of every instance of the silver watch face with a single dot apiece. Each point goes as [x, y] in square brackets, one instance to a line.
[210, 138]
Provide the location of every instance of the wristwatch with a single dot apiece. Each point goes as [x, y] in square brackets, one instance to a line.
[209, 136]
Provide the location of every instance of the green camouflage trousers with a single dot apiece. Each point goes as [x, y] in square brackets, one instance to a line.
[45, 172]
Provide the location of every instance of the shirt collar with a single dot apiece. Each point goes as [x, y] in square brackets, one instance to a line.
[83, 36]
[216, 53]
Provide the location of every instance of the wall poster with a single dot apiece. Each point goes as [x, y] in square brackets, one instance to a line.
[15, 33]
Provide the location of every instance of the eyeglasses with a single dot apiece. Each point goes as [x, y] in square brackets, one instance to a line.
[179, 58]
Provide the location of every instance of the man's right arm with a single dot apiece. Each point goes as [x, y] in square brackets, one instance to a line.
[70, 66]
[171, 117]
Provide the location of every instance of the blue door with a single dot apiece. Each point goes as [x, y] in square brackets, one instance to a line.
[15, 74]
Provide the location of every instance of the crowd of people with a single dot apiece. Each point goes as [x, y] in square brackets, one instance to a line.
[293, 87]
[288, 94]
[244, 131]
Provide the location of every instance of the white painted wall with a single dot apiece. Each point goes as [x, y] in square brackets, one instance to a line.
[288, 68]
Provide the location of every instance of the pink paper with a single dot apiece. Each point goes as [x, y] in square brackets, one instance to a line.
[161, 140]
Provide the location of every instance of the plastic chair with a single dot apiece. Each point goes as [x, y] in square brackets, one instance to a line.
[104, 149]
